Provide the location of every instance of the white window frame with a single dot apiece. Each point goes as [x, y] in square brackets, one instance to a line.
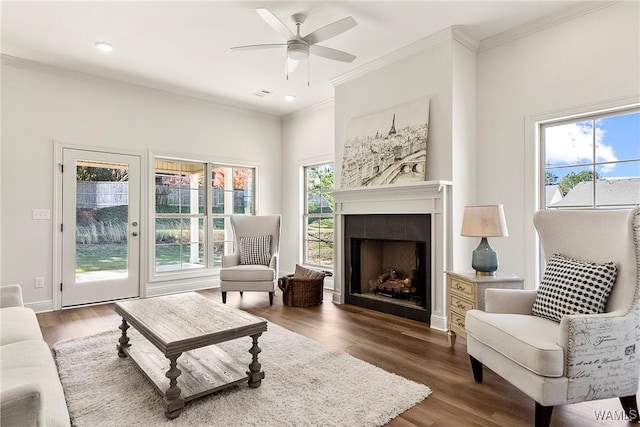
[209, 267]
[306, 215]
[592, 166]
[532, 174]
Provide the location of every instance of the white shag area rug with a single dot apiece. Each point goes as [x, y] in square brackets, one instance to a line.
[304, 385]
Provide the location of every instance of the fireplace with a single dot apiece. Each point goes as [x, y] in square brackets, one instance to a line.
[388, 263]
[367, 209]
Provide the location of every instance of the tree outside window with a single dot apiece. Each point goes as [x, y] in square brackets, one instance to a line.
[318, 216]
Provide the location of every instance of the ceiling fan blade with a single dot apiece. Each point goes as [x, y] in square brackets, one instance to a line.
[259, 46]
[327, 52]
[273, 21]
[331, 30]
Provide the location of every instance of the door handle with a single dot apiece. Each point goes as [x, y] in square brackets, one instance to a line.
[135, 234]
[134, 223]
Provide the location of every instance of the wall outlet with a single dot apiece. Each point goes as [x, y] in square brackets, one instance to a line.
[39, 282]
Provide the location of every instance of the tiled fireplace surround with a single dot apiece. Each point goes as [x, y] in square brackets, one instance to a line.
[427, 197]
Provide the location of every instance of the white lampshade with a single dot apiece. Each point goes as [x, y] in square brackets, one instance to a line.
[484, 221]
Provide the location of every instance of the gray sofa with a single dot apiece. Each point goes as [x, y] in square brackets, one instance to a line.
[30, 389]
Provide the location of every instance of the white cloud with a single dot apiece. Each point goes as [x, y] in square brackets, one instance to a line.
[572, 143]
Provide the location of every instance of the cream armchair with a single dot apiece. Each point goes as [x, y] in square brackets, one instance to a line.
[254, 264]
[581, 357]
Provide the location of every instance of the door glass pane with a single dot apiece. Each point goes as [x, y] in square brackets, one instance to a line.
[102, 202]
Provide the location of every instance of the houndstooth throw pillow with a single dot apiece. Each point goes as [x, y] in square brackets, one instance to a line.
[570, 286]
[255, 250]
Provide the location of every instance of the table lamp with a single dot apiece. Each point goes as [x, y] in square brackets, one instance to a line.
[483, 222]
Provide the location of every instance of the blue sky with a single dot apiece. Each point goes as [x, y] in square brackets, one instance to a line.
[617, 138]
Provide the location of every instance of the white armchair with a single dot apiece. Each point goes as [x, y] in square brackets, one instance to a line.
[583, 356]
[254, 264]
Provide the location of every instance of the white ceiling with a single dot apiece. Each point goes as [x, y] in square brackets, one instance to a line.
[184, 46]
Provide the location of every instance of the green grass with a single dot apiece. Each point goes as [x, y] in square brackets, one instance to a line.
[101, 257]
[97, 248]
[98, 251]
[109, 256]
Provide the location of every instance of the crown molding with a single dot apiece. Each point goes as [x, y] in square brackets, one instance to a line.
[532, 27]
[163, 90]
[458, 34]
[309, 109]
[450, 33]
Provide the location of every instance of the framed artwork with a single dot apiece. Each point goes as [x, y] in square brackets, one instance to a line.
[386, 147]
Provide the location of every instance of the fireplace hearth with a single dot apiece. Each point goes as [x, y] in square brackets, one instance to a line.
[387, 258]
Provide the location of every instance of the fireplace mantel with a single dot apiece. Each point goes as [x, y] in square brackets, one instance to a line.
[425, 197]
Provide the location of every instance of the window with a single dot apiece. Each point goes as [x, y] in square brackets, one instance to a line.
[591, 161]
[192, 231]
[318, 215]
[231, 193]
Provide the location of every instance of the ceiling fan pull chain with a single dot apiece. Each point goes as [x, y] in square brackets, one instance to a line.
[308, 68]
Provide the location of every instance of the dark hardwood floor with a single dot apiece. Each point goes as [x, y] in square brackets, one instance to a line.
[407, 348]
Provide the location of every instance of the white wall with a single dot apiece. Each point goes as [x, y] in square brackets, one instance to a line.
[442, 68]
[589, 61]
[42, 105]
[308, 138]
[463, 150]
[423, 74]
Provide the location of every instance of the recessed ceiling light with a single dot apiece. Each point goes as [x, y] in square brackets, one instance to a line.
[263, 92]
[289, 98]
[104, 46]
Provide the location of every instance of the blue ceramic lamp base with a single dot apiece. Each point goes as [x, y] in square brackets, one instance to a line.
[484, 260]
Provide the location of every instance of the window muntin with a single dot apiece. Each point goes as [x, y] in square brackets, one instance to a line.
[601, 146]
[179, 244]
[232, 190]
[188, 233]
[318, 220]
[179, 187]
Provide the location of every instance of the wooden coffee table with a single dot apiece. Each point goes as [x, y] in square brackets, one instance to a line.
[187, 326]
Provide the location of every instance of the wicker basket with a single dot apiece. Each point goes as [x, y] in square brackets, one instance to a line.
[301, 293]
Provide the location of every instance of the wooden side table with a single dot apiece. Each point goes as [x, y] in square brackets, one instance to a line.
[466, 292]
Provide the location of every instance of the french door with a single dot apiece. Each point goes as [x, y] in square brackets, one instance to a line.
[100, 226]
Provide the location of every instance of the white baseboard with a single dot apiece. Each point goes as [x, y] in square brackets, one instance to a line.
[40, 306]
[439, 323]
[175, 288]
[337, 298]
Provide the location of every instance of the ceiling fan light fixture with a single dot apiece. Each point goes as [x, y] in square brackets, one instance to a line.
[300, 47]
[297, 50]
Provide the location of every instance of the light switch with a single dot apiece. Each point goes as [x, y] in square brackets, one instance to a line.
[41, 214]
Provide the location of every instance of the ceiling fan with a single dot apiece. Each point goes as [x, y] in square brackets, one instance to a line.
[299, 47]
